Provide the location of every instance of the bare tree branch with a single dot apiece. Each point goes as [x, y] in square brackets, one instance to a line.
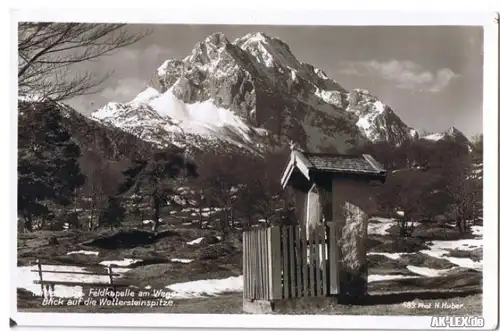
[48, 52]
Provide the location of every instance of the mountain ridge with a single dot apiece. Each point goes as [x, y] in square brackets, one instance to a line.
[252, 93]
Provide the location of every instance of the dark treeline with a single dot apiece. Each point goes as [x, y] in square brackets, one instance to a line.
[430, 180]
[72, 170]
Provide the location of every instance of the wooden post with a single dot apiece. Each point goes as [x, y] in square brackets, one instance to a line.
[39, 264]
[110, 272]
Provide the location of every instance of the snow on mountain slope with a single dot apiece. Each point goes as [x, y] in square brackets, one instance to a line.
[377, 120]
[452, 134]
[164, 119]
[435, 136]
[252, 92]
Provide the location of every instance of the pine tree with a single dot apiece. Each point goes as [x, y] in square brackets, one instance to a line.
[113, 214]
[48, 169]
[157, 177]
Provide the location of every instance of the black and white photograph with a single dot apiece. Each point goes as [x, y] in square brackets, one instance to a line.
[259, 169]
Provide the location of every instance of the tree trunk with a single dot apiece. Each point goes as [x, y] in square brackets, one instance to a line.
[91, 219]
[230, 221]
[457, 225]
[200, 218]
[156, 214]
[28, 223]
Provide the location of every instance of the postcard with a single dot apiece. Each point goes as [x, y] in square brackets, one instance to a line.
[187, 173]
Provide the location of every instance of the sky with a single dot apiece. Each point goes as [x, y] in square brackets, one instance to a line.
[432, 77]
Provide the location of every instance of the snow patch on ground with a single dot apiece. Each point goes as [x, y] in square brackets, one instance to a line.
[428, 272]
[151, 221]
[440, 248]
[378, 278]
[206, 287]
[195, 242]
[477, 230]
[120, 263]
[83, 252]
[25, 279]
[182, 260]
[380, 228]
[392, 256]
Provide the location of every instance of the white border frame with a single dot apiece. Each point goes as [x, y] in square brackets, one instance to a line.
[282, 17]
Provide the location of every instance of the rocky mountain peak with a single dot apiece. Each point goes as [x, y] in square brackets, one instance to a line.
[451, 134]
[376, 119]
[253, 92]
[217, 39]
[453, 131]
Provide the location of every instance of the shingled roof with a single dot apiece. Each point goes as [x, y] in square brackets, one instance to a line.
[306, 163]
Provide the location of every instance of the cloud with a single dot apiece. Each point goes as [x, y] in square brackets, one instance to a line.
[151, 53]
[404, 74]
[124, 90]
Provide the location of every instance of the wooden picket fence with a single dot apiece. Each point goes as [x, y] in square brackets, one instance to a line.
[281, 263]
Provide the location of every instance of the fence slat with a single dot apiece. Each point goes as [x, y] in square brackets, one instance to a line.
[245, 270]
[254, 275]
[267, 266]
[305, 273]
[251, 277]
[264, 264]
[291, 245]
[250, 265]
[311, 264]
[324, 264]
[275, 265]
[298, 254]
[333, 259]
[286, 264]
[318, 262]
[261, 255]
[259, 261]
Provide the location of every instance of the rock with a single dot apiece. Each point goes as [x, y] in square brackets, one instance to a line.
[475, 255]
[403, 245]
[209, 240]
[53, 241]
[373, 243]
[354, 275]
[383, 262]
[423, 260]
[215, 251]
[438, 233]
